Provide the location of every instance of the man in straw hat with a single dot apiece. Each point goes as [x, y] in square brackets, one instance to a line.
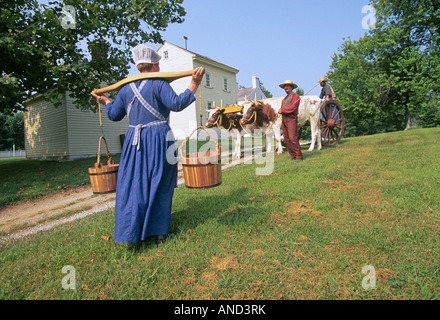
[327, 92]
[289, 111]
[146, 177]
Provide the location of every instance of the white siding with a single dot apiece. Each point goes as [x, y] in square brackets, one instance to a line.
[68, 133]
[84, 132]
[45, 130]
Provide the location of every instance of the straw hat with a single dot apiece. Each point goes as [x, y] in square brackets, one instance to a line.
[323, 79]
[144, 54]
[288, 82]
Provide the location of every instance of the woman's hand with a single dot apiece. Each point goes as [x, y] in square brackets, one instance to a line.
[101, 98]
[196, 79]
[198, 75]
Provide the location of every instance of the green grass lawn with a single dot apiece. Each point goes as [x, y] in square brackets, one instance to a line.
[304, 232]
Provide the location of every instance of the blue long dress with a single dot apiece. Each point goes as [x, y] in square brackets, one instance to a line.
[147, 172]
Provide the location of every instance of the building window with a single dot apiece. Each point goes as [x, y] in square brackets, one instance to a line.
[208, 80]
[165, 54]
[209, 105]
[225, 84]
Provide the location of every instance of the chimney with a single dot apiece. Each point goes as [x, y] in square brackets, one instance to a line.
[255, 82]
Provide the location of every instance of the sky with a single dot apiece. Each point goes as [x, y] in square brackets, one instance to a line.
[272, 39]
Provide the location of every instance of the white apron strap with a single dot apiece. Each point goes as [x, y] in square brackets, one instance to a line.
[138, 128]
[141, 86]
[146, 105]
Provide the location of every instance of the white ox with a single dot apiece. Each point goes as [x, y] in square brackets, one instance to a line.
[309, 111]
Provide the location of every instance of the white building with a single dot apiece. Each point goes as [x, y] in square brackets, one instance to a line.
[68, 133]
[218, 87]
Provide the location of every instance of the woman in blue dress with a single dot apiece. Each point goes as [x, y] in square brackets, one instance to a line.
[147, 172]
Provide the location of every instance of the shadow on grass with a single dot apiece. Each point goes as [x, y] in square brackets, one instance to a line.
[231, 209]
[234, 209]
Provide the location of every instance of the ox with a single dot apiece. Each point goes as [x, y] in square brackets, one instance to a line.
[309, 111]
[229, 121]
[232, 123]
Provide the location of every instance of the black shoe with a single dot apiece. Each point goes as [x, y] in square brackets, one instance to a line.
[170, 235]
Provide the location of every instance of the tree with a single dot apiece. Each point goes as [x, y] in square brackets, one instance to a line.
[43, 53]
[299, 91]
[266, 92]
[420, 22]
[386, 77]
[12, 131]
[430, 113]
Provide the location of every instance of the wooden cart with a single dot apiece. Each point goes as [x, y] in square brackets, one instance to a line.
[332, 123]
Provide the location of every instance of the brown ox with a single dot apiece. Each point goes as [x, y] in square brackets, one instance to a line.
[262, 116]
[229, 121]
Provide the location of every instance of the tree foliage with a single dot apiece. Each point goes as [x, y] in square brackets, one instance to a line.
[12, 131]
[266, 92]
[41, 55]
[390, 75]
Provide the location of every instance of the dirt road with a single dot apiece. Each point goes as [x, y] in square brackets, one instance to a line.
[33, 213]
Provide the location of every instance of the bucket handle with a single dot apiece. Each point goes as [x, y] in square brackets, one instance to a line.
[98, 161]
[187, 138]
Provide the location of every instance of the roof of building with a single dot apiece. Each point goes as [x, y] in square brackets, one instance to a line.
[244, 92]
[198, 55]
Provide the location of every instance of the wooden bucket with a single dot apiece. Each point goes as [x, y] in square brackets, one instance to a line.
[201, 169]
[103, 177]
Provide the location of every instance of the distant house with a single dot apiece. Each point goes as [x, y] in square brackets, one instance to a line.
[254, 93]
[66, 132]
[218, 88]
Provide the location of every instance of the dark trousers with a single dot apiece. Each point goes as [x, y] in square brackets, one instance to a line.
[290, 125]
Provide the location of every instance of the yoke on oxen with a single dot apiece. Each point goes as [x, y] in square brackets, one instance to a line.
[229, 115]
[231, 109]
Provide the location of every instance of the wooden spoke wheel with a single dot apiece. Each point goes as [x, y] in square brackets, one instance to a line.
[332, 123]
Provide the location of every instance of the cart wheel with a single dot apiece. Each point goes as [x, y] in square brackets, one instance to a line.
[332, 123]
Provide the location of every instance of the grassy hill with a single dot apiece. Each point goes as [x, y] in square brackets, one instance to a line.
[366, 209]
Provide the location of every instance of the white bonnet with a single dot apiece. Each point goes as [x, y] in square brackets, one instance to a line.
[144, 54]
